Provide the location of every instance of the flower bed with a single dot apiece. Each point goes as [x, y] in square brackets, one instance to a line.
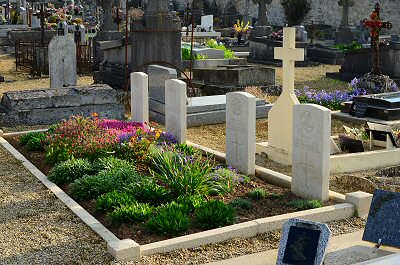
[141, 184]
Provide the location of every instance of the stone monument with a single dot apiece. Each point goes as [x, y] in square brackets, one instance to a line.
[280, 117]
[175, 109]
[344, 34]
[262, 27]
[62, 62]
[156, 37]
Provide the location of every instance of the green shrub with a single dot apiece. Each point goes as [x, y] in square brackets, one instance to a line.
[214, 214]
[186, 55]
[191, 203]
[228, 54]
[34, 141]
[182, 175]
[257, 194]
[186, 149]
[70, 170]
[225, 180]
[113, 200]
[147, 190]
[240, 203]
[170, 220]
[301, 204]
[111, 162]
[349, 47]
[134, 212]
[91, 187]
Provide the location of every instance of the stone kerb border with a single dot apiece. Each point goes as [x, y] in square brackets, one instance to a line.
[129, 250]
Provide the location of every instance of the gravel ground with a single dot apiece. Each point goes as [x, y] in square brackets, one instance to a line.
[36, 228]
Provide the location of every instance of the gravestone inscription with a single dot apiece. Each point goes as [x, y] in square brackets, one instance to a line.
[303, 243]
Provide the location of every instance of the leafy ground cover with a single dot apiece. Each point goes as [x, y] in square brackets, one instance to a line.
[141, 184]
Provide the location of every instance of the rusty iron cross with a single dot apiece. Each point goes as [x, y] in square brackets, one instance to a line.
[376, 25]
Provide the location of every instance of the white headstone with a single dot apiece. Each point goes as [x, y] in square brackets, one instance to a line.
[140, 97]
[280, 116]
[207, 23]
[311, 151]
[62, 62]
[175, 109]
[241, 131]
[82, 30]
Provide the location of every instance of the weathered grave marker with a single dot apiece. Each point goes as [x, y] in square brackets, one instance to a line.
[241, 131]
[384, 218]
[280, 117]
[140, 97]
[175, 109]
[311, 151]
[62, 62]
[303, 242]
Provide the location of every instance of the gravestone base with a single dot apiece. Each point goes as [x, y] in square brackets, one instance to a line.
[344, 36]
[275, 154]
[262, 31]
[49, 106]
[204, 110]
[325, 55]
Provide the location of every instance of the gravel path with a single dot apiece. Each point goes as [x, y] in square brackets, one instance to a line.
[36, 228]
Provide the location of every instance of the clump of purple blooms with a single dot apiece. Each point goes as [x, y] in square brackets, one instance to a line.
[333, 100]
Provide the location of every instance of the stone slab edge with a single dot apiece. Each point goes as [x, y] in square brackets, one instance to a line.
[122, 250]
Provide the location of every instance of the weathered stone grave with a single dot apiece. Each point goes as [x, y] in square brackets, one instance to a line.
[383, 220]
[175, 109]
[49, 106]
[62, 62]
[311, 151]
[241, 131]
[303, 242]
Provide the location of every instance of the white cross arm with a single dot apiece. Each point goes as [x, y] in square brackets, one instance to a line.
[289, 54]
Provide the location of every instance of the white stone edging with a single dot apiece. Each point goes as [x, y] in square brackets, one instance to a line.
[122, 250]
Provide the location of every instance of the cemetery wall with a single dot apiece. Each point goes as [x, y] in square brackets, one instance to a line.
[323, 11]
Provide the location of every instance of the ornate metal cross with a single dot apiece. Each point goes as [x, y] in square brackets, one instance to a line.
[376, 25]
[345, 14]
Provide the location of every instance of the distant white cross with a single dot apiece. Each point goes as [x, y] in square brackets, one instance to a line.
[289, 54]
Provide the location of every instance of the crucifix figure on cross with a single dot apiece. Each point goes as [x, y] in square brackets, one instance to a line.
[289, 54]
[376, 25]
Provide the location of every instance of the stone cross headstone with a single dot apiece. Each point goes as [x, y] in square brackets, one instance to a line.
[303, 242]
[62, 62]
[383, 224]
[311, 151]
[262, 27]
[344, 34]
[175, 109]
[280, 117]
[241, 131]
[140, 97]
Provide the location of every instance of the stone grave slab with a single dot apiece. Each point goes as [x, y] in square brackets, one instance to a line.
[303, 243]
[48, 106]
[157, 76]
[62, 62]
[384, 219]
[209, 53]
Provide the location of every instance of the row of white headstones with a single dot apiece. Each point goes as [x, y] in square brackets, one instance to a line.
[310, 131]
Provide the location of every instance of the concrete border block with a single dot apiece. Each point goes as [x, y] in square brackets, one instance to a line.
[124, 250]
[362, 202]
[242, 230]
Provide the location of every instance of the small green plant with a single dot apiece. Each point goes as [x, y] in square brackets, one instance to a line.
[170, 220]
[186, 55]
[191, 203]
[276, 196]
[301, 204]
[214, 214]
[186, 149]
[349, 47]
[147, 190]
[257, 194]
[240, 203]
[134, 212]
[111, 162]
[70, 170]
[228, 54]
[34, 141]
[113, 200]
[225, 180]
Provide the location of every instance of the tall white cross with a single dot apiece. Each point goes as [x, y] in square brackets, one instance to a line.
[289, 54]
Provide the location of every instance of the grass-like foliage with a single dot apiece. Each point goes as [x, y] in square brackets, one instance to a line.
[301, 204]
[70, 170]
[241, 203]
[225, 180]
[257, 194]
[111, 162]
[183, 175]
[113, 200]
[134, 212]
[214, 214]
[170, 220]
[191, 203]
[34, 141]
[149, 191]
[91, 187]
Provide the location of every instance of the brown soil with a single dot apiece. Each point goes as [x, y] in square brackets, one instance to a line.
[274, 204]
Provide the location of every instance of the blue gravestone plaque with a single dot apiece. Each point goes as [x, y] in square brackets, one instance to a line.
[303, 243]
[383, 224]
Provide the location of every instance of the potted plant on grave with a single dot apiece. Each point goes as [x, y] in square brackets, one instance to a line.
[241, 30]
